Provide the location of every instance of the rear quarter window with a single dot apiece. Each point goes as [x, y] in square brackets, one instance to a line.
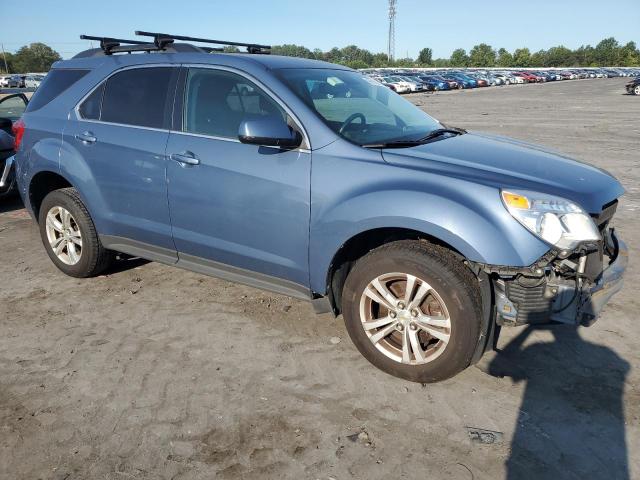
[140, 97]
[56, 82]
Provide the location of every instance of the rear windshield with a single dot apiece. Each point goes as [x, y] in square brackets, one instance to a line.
[56, 82]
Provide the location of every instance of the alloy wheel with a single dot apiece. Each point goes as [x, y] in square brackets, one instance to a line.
[405, 318]
[64, 235]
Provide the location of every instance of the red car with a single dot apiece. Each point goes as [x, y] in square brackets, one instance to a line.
[529, 77]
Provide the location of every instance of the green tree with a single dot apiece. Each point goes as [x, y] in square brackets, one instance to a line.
[559, 56]
[291, 50]
[8, 57]
[522, 57]
[380, 60]
[404, 62]
[538, 59]
[36, 57]
[629, 55]
[482, 55]
[505, 59]
[441, 63]
[459, 58]
[584, 56]
[425, 57]
[606, 52]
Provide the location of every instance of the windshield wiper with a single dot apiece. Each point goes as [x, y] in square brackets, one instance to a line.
[441, 131]
[421, 141]
[394, 144]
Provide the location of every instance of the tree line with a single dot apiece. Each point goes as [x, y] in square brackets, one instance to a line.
[38, 57]
[606, 53]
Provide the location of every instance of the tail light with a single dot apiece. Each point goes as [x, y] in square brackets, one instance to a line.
[18, 133]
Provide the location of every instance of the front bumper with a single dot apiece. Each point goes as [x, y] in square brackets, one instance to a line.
[609, 283]
[558, 294]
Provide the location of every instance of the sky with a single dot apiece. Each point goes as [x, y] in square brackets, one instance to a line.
[442, 25]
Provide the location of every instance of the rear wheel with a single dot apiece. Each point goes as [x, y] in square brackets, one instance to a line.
[69, 235]
[413, 310]
[636, 90]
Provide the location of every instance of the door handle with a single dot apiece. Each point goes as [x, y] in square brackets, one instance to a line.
[86, 137]
[185, 158]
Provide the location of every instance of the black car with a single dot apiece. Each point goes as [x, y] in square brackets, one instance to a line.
[633, 87]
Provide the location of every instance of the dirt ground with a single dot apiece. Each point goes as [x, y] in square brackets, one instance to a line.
[152, 372]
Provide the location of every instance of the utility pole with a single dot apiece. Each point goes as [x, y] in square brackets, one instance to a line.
[4, 56]
[391, 49]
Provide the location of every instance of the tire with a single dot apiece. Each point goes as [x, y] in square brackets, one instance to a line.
[454, 300]
[636, 90]
[90, 257]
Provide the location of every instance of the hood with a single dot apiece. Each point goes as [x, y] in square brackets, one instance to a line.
[511, 164]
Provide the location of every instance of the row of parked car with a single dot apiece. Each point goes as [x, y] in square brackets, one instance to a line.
[21, 81]
[418, 80]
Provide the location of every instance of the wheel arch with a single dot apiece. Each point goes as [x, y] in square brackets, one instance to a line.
[363, 242]
[41, 184]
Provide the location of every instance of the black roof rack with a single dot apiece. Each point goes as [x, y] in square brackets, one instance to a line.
[111, 45]
[160, 39]
[163, 42]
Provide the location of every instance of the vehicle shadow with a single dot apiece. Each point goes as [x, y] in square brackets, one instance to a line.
[10, 203]
[123, 263]
[571, 421]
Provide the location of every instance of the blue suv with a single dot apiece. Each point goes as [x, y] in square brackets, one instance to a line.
[314, 181]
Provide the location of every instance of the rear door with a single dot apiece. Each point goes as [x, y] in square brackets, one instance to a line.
[239, 205]
[118, 135]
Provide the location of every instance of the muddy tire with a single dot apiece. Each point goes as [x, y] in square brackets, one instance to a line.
[69, 235]
[413, 309]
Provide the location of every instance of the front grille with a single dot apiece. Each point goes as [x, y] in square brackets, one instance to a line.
[530, 302]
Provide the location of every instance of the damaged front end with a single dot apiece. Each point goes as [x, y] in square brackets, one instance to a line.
[569, 287]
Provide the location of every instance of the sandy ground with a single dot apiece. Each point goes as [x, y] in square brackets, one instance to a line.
[154, 372]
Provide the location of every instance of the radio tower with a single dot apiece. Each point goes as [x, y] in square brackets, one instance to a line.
[391, 50]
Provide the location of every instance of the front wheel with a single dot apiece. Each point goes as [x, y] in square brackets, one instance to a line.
[413, 310]
[69, 235]
[636, 90]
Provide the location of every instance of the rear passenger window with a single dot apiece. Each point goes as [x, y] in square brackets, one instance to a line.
[217, 102]
[56, 82]
[90, 108]
[139, 97]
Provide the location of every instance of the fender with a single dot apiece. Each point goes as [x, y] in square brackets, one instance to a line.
[43, 133]
[371, 194]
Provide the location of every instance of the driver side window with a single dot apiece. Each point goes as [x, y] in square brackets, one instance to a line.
[217, 102]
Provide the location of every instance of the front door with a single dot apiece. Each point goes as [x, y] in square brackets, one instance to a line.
[234, 205]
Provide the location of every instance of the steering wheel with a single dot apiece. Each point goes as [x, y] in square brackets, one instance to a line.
[350, 120]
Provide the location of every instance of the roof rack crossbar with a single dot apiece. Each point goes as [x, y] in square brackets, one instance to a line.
[114, 45]
[159, 37]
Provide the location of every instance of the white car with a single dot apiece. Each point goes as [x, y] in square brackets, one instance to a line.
[400, 85]
[413, 85]
[31, 81]
[4, 81]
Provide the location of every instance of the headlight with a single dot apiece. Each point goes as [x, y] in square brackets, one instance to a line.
[555, 220]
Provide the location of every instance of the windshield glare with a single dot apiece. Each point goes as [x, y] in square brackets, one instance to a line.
[359, 108]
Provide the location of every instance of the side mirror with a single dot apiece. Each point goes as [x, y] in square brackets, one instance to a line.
[6, 141]
[269, 131]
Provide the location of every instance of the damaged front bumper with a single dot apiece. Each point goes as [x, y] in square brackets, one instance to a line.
[572, 289]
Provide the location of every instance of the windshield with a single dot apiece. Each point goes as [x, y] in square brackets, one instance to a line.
[358, 108]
